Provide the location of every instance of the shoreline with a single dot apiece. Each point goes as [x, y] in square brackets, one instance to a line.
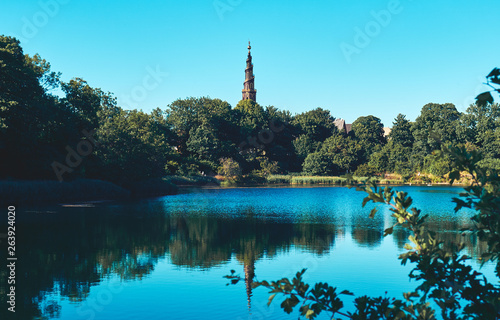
[88, 192]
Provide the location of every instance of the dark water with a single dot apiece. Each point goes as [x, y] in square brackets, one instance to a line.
[165, 258]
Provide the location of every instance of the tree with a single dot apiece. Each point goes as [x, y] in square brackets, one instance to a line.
[250, 116]
[338, 155]
[303, 146]
[280, 147]
[456, 288]
[204, 145]
[134, 147]
[459, 291]
[401, 132]
[369, 133]
[480, 125]
[396, 154]
[33, 124]
[185, 114]
[317, 124]
[84, 102]
[318, 164]
[229, 168]
[436, 124]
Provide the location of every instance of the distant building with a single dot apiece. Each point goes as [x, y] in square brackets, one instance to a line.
[387, 131]
[249, 91]
[341, 125]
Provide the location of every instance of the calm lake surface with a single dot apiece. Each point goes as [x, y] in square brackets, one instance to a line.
[165, 258]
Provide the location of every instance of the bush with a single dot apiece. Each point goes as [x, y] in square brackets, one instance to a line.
[365, 170]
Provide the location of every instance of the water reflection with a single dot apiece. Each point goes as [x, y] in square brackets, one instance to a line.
[72, 249]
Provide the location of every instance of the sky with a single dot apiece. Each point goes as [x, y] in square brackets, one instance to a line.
[354, 58]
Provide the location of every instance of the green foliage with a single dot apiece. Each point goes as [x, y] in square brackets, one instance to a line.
[229, 168]
[437, 166]
[318, 163]
[365, 170]
[316, 124]
[338, 154]
[203, 144]
[480, 125]
[192, 135]
[436, 124]
[267, 167]
[32, 122]
[401, 132]
[250, 117]
[304, 145]
[134, 146]
[185, 115]
[493, 78]
[369, 134]
[444, 274]
[85, 102]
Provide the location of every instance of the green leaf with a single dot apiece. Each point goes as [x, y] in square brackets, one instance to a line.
[372, 213]
[347, 292]
[454, 175]
[388, 231]
[289, 304]
[494, 73]
[484, 98]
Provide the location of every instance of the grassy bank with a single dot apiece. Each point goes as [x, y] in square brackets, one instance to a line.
[307, 180]
[392, 179]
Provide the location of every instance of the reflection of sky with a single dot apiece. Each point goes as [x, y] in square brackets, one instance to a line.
[357, 259]
[178, 293]
[321, 204]
[181, 293]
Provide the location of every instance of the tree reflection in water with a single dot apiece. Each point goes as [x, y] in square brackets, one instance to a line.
[70, 251]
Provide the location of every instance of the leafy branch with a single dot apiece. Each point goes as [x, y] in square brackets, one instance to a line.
[492, 77]
[458, 290]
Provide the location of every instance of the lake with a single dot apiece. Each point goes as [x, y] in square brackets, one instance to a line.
[165, 258]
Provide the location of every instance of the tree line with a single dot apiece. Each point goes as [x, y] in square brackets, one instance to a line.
[85, 134]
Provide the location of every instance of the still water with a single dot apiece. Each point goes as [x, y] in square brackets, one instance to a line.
[165, 258]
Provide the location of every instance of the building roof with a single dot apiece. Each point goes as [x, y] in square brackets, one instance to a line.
[341, 125]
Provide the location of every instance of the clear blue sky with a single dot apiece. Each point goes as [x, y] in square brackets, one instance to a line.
[422, 51]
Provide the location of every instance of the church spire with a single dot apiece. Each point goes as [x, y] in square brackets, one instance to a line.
[249, 91]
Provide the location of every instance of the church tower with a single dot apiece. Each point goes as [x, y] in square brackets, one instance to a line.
[249, 91]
